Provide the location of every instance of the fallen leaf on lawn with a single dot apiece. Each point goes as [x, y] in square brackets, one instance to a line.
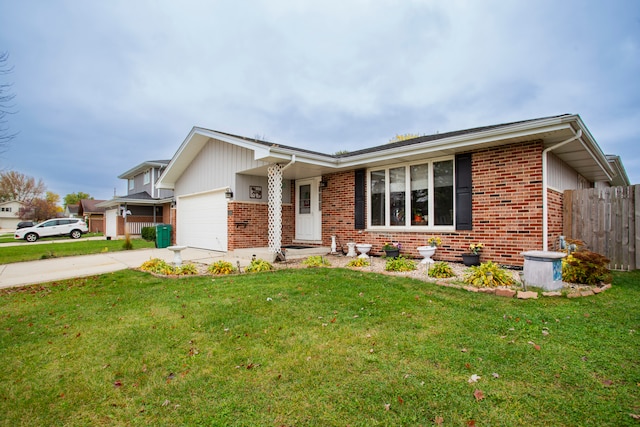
[495, 375]
[635, 416]
[474, 378]
[607, 383]
[479, 395]
[400, 400]
[471, 423]
[464, 350]
[117, 383]
[387, 406]
[166, 403]
[537, 347]
[438, 421]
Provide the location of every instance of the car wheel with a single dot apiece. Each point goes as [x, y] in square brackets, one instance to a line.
[76, 234]
[31, 237]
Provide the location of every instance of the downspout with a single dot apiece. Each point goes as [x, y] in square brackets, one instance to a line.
[293, 160]
[545, 207]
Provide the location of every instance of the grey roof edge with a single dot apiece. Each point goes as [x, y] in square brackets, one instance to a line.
[141, 167]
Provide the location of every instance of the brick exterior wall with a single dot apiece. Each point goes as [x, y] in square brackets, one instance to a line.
[248, 225]
[507, 210]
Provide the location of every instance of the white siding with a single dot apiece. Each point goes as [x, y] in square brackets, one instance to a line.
[560, 176]
[214, 167]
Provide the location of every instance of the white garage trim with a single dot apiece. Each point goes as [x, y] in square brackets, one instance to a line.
[202, 220]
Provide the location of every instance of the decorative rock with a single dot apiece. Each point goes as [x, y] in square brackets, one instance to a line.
[597, 290]
[607, 286]
[505, 293]
[527, 295]
[552, 294]
[487, 290]
[574, 295]
[471, 289]
[586, 293]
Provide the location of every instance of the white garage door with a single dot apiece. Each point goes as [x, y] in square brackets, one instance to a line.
[202, 221]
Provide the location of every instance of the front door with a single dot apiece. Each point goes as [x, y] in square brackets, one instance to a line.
[308, 210]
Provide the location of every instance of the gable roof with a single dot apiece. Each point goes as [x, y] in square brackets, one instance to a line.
[583, 154]
[142, 167]
[89, 206]
[142, 198]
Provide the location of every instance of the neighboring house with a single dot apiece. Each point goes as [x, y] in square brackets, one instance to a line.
[71, 211]
[500, 185]
[92, 214]
[144, 205]
[9, 212]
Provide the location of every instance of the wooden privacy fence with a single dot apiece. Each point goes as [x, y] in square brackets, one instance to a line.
[607, 220]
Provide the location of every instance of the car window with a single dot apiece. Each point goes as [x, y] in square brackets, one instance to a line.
[50, 223]
[64, 221]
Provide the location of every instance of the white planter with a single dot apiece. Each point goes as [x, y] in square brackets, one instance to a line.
[364, 249]
[427, 252]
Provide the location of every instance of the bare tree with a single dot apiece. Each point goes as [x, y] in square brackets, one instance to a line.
[6, 102]
[20, 187]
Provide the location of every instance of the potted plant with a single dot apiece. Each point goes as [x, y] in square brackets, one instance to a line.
[473, 257]
[391, 249]
[430, 249]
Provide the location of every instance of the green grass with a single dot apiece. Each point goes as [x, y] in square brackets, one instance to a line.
[30, 252]
[316, 347]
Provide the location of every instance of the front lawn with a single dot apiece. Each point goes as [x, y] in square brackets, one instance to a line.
[30, 251]
[317, 347]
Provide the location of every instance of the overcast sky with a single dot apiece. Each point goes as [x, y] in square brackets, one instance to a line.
[102, 86]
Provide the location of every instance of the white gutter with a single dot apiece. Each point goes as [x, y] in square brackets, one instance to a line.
[545, 207]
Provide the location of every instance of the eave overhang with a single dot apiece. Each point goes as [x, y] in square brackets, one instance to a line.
[584, 155]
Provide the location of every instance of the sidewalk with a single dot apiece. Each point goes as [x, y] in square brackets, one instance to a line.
[42, 271]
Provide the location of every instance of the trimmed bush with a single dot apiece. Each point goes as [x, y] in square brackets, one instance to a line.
[148, 234]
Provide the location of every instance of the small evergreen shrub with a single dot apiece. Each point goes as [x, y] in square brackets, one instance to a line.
[488, 275]
[400, 264]
[316, 261]
[258, 265]
[441, 270]
[586, 268]
[221, 267]
[148, 234]
[358, 262]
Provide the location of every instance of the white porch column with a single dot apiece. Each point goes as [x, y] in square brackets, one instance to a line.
[275, 208]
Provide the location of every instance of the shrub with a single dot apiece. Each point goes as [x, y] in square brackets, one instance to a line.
[441, 270]
[157, 266]
[400, 264]
[585, 267]
[127, 245]
[148, 233]
[186, 270]
[358, 262]
[258, 265]
[221, 267]
[488, 275]
[316, 261]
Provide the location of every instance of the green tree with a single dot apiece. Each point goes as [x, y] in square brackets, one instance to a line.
[74, 198]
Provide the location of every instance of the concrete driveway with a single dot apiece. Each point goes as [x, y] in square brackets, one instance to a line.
[47, 270]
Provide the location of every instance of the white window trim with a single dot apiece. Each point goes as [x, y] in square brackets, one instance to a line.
[146, 177]
[131, 184]
[409, 228]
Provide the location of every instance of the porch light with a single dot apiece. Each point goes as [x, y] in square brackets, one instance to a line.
[228, 194]
[323, 183]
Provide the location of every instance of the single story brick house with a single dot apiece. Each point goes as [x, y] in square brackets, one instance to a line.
[499, 185]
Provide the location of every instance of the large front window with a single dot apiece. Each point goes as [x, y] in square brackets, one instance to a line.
[412, 195]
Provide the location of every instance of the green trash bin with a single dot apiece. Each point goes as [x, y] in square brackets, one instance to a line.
[163, 235]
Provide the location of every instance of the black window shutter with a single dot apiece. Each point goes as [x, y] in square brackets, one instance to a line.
[360, 199]
[464, 191]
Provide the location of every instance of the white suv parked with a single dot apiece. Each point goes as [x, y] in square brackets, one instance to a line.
[72, 227]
